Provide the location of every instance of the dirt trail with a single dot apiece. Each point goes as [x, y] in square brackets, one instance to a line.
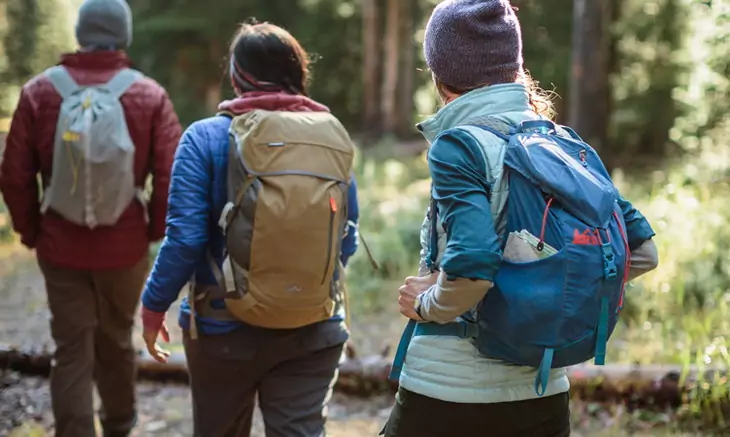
[165, 409]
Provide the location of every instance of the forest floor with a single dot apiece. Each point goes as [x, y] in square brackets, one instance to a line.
[165, 408]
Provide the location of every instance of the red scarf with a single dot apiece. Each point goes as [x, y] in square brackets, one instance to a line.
[270, 101]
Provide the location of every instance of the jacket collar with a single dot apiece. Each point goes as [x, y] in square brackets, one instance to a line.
[489, 100]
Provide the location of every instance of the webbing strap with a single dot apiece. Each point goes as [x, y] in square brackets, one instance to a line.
[232, 211]
[543, 372]
[602, 334]
[461, 329]
[368, 252]
[62, 81]
[609, 262]
[217, 272]
[342, 284]
[400, 353]
[193, 315]
[121, 82]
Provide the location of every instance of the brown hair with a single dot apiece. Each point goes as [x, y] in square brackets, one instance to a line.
[265, 57]
[541, 101]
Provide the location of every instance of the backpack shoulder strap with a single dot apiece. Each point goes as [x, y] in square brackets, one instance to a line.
[121, 82]
[62, 81]
[500, 128]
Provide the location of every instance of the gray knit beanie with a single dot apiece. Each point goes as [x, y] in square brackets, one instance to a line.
[470, 43]
[104, 23]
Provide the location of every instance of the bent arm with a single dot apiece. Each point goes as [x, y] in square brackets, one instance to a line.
[188, 217]
[472, 255]
[643, 260]
[644, 254]
[638, 229]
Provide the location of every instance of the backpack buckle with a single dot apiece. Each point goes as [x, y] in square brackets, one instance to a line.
[468, 329]
[609, 262]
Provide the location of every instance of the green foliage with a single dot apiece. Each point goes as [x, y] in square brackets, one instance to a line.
[191, 70]
[651, 63]
[32, 35]
[547, 35]
[392, 197]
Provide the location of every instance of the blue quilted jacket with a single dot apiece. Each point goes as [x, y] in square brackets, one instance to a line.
[197, 196]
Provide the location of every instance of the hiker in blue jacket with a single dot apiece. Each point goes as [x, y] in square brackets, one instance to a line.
[447, 387]
[291, 371]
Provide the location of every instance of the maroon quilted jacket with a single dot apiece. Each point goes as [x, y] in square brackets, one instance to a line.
[155, 130]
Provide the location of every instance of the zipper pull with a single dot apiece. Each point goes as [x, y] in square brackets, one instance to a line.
[583, 158]
[333, 204]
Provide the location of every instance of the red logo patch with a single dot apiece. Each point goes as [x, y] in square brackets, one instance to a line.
[587, 238]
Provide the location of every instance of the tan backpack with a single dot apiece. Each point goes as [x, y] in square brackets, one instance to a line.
[288, 182]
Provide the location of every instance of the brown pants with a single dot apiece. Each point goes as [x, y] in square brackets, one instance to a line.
[92, 316]
[292, 371]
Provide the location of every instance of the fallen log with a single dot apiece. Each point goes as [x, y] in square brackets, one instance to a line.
[637, 386]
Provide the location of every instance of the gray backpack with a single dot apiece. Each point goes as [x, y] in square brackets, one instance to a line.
[92, 182]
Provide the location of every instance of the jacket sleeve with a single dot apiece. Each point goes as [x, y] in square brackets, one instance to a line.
[472, 255]
[18, 172]
[350, 242]
[644, 259]
[638, 229]
[165, 137]
[188, 220]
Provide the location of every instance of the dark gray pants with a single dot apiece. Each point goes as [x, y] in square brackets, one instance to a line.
[292, 371]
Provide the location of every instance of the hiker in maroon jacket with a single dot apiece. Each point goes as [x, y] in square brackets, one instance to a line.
[94, 271]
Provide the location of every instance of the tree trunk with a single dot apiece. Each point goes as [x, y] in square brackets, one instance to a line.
[652, 386]
[405, 92]
[390, 67]
[371, 65]
[589, 84]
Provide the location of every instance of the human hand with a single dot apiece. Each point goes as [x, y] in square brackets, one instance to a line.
[414, 286]
[153, 324]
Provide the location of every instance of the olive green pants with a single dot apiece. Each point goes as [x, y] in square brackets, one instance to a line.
[92, 316]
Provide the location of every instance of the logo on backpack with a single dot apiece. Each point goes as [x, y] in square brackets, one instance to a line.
[560, 307]
[92, 182]
[588, 237]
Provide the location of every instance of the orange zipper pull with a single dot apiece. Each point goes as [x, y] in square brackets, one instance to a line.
[333, 204]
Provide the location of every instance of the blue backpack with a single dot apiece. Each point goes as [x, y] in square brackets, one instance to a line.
[559, 310]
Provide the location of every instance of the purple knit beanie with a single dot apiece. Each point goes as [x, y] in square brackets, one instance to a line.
[470, 43]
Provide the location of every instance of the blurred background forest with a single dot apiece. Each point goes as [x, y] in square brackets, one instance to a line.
[647, 82]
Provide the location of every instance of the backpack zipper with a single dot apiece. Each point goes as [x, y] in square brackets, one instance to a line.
[333, 210]
[582, 155]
